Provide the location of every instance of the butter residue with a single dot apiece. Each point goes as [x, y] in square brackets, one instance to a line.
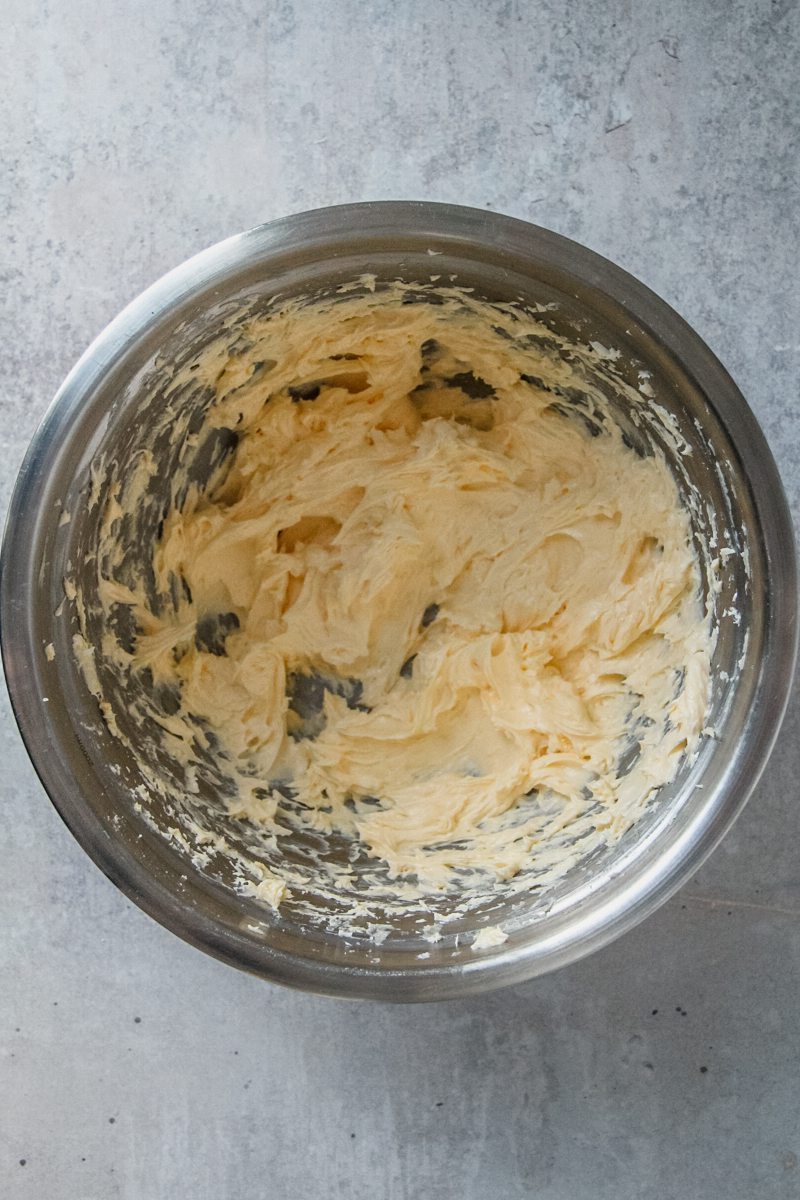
[427, 595]
[488, 937]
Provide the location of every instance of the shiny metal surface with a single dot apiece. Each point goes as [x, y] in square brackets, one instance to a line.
[502, 258]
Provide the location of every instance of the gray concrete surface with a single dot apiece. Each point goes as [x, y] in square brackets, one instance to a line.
[664, 135]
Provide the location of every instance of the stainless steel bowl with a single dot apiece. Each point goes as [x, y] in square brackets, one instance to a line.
[502, 259]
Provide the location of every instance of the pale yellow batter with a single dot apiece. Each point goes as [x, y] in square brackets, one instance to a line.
[431, 592]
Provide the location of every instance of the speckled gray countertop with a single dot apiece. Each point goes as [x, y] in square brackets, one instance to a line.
[665, 136]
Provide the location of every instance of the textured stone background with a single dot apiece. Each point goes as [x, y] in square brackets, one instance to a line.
[665, 136]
